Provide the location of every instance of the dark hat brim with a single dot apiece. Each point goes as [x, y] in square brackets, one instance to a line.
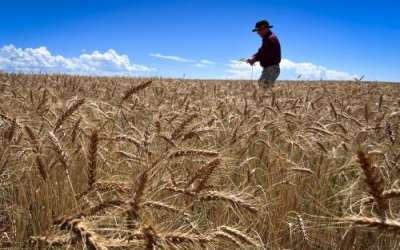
[256, 29]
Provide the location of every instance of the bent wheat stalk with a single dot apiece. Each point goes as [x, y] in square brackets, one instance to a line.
[240, 235]
[81, 230]
[234, 199]
[68, 112]
[128, 93]
[377, 223]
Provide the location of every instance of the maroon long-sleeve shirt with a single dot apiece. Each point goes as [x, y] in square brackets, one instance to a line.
[270, 52]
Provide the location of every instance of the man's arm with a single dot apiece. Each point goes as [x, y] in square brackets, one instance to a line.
[261, 53]
[255, 58]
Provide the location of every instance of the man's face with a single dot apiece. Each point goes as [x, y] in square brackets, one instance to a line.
[262, 31]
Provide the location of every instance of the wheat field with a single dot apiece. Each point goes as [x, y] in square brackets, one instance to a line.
[130, 163]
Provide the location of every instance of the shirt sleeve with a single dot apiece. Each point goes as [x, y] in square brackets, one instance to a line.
[265, 51]
[259, 53]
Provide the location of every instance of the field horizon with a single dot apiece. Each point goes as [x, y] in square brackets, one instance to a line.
[279, 81]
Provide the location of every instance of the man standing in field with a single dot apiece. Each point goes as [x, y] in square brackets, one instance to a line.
[269, 55]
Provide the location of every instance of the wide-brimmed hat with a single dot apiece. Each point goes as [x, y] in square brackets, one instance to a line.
[262, 24]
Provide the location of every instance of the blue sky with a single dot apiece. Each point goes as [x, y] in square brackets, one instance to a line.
[202, 38]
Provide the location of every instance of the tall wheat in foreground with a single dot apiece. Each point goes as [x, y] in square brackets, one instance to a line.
[130, 163]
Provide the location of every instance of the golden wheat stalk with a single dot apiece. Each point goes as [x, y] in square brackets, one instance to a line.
[4, 159]
[341, 126]
[181, 191]
[150, 236]
[119, 186]
[229, 197]
[37, 150]
[41, 167]
[128, 93]
[351, 118]
[90, 211]
[128, 155]
[56, 146]
[63, 159]
[322, 147]
[303, 170]
[82, 231]
[134, 141]
[377, 223]
[390, 132]
[195, 133]
[203, 174]
[321, 130]
[52, 240]
[33, 139]
[135, 204]
[6, 118]
[192, 152]
[92, 159]
[9, 134]
[168, 140]
[104, 205]
[68, 112]
[239, 235]
[387, 194]
[179, 238]
[75, 129]
[333, 110]
[302, 227]
[164, 206]
[374, 180]
[42, 101]
[226, 236]
[178, 131]
[391, 193]
[380, 103]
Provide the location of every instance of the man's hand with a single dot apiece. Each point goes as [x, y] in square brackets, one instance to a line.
[251, 61]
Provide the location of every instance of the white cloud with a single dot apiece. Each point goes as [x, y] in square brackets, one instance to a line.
[200, 65]
[241, 70]
[289, 70]
[172, 58]
[204, 61]
[312, 71]
[40, 60]
[196, 63]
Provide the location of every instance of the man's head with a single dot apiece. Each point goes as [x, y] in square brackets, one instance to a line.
[262, 28]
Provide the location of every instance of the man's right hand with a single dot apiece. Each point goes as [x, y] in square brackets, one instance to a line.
[251, 61]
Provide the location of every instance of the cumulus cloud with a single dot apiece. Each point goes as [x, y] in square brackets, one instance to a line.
[171, 58]
[289, 70]
[312, 71]
[40, 60]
